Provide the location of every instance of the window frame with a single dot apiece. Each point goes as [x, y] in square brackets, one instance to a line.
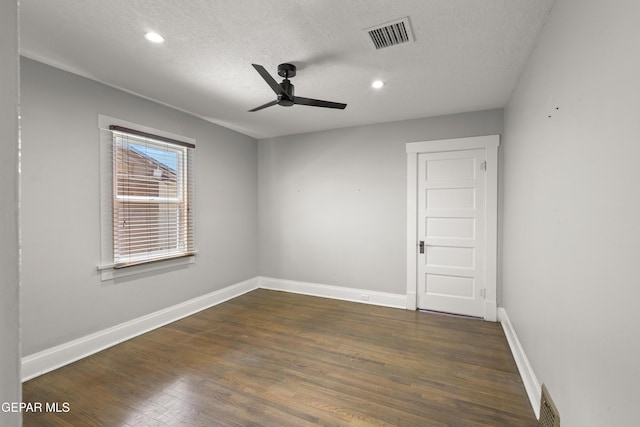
[108, 267]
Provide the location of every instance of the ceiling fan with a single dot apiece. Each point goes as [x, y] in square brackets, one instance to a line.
[285, 90]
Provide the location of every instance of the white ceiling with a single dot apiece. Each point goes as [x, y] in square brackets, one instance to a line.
[467, 55]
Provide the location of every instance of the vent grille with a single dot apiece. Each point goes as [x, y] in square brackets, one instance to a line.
[549, 416]
[391, 33]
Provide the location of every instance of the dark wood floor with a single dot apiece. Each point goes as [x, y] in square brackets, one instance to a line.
[276, 359]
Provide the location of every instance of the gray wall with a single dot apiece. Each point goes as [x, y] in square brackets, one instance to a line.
[62, 295]
[571, 209]
[9, 274]
[332, 204]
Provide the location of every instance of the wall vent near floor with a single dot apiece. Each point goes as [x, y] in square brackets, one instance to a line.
[549, 416]
[391, 33]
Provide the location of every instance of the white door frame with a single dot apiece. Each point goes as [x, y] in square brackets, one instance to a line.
[490, 144]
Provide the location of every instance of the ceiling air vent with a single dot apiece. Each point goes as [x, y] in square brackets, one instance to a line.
[391, 33]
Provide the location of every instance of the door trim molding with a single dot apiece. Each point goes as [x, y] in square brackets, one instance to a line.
[490, 144]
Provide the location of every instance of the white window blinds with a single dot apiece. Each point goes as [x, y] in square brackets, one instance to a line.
[152, 198]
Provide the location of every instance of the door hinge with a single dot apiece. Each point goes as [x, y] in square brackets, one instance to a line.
[483, 293]
[483, 166]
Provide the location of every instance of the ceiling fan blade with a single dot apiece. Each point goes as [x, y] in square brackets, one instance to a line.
[318, 103]
[270, 80]
[268, 104]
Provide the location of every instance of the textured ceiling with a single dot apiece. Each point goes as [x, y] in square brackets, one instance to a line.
[467, 55]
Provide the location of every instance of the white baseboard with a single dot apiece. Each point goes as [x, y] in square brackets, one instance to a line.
[531, 384]
[334, 292]
[47, 360]
[52, 358]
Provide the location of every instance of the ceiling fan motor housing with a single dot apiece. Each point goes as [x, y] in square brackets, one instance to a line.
[288, 87]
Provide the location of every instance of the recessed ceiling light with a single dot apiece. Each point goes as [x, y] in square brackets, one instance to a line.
[377, 84]
[154, 37]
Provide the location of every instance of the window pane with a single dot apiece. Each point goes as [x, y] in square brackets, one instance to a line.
[144, 171]
[147, 227]
[152, 194]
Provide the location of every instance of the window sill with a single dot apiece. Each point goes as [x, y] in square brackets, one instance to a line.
[109, 272]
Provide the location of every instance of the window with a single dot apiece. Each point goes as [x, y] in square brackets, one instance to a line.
[152, 197]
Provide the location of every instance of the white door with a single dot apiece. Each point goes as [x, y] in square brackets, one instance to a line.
[451, 232]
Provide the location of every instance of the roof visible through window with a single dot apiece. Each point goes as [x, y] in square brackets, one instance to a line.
[167, 158]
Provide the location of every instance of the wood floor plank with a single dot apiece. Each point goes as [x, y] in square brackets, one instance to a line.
[270, 358]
